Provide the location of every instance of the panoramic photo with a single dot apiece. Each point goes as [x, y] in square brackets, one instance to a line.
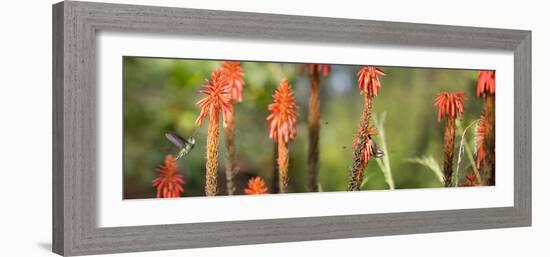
[224, 127]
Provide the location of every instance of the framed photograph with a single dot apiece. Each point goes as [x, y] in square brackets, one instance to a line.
[183, 128]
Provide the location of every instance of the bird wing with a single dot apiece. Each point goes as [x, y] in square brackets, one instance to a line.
[376, 150]
[176, 139]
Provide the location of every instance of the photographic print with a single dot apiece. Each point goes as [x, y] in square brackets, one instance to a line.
[266, 111]
[224, 127]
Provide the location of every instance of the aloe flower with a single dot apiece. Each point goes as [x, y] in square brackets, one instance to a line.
[369, 84]
[486, 86]
[217, 99]
[314, 117]
[170, 182]
[471, 180]
[233, 73]
[282, 127]
[256, 186]
[367, 151]
[322, 69]
[451, 107]
[486, 83]
[480, 140]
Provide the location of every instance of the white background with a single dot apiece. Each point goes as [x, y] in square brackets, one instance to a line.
[25, 129]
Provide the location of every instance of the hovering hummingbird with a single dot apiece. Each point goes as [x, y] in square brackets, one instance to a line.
[375, 150]
[185, 146]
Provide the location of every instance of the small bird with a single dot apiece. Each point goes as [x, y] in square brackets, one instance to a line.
[185, 146]
[376, 151]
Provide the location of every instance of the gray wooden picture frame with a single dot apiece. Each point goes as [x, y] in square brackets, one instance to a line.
[75, 25]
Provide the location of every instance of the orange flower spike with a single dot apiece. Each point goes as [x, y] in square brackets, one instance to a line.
[217, 99]
[367, 149]
[480, 138]
[256, 186]
[486, 83]
[368, 80]
[472, 180]
[234, 73]
[486, 141]
[321, 68]
[284, 113]
[169, 182]
[449, 104]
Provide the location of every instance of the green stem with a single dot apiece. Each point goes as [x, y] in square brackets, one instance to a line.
[384, 163]
[464, 145]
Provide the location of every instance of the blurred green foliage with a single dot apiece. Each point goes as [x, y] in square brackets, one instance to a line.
[160, 96]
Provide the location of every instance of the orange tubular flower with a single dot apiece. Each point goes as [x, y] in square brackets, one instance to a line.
[320, 68]
[234, 75]
[218, 98]
[450, 104]
[314, 118]
[367, 147]
[480, 139]
[169, 183]
[284, 113]
[369, 81]
[472, 180]
[256, 186]
[486, 83]
[369, 86]
[282, 128]
[486, 152]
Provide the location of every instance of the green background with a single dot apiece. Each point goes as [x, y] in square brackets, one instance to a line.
[160, 96]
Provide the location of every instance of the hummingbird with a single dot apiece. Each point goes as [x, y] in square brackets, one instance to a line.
[376, 151]
[185, 146]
